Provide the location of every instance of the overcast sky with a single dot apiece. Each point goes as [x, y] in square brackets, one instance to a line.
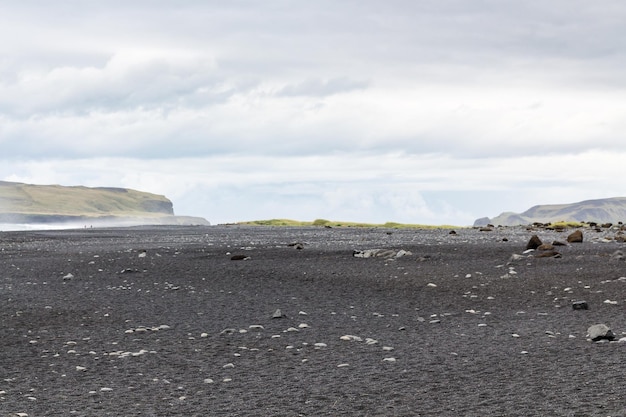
[415, 111]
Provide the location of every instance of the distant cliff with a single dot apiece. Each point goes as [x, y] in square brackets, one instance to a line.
[606, 210]
[28, 203]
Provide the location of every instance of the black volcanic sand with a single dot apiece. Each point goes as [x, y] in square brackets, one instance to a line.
[70, 346]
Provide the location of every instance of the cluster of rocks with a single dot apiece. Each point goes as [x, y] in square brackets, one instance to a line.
[381, 253]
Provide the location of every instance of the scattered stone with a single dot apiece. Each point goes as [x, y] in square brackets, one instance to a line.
[240, 258]
[612, 302]
[580, 305]
[389, 359]
[545, 246]
[618, 255]
[558, 243]
[548, 254]
[68, 277]
[575, 237]
[599, 332]
[351, 338]
[534, 242]
[516, 257]
[380, 253]
[343, 365]
[278, 314]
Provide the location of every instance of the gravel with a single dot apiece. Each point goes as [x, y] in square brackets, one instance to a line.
[160, 321]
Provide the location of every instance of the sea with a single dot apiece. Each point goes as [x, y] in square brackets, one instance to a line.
[15, 227]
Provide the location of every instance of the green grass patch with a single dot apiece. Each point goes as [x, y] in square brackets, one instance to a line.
[567, 224]
[331, 223]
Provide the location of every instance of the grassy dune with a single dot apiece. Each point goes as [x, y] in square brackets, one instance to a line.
[331, 223]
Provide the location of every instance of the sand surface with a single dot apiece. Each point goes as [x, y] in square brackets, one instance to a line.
[161, 322]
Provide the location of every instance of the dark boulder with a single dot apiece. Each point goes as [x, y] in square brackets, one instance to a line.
[534, 242]
[575, 237]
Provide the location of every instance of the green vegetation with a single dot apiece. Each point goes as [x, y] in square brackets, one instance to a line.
[51, 200]
[330, 223]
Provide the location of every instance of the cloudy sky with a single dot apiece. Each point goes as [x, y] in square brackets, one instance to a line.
[415, 111]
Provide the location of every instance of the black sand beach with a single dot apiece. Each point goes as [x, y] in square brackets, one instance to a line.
[161, 322]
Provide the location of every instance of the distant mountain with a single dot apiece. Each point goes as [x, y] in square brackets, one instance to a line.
[606, 210]
[28, 203]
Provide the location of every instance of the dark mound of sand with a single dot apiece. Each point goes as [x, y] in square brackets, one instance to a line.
[162, 322]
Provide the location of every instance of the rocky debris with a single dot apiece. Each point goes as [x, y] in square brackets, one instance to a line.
[545, 247]
[575, 237]
[297, 245]
[516, 257]
[145, 329]
[534, 242]
[380, 253]
[558, 243]
[240, 258]
[618, 255]
[68, 277]
[599, 332]
[129, 271]
[548, 254]
[580, 305]
[278, 314]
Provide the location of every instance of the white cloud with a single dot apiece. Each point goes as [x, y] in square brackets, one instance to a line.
[382, 111]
